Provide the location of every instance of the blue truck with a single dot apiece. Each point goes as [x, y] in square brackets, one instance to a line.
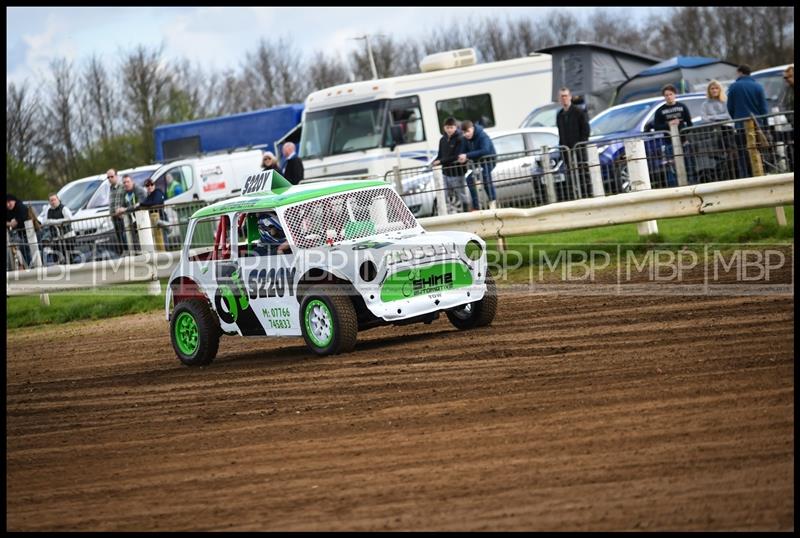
[259, 128]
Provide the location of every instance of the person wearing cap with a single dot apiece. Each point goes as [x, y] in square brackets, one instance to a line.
[269, 162]
[155, 196]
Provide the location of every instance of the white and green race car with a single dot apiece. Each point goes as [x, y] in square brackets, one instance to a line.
[322, 260]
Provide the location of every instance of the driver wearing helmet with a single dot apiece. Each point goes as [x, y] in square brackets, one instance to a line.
[272, 239]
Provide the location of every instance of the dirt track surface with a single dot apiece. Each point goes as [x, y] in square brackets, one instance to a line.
[586, 413]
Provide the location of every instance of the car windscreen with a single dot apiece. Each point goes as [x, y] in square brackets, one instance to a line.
[75, 196]
[542, 117]
[100, 198]
[773, 87]
[347, 216]
[619, 120]
[342, 130]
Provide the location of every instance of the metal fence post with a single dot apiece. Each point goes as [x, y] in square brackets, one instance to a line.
[398, 184]
[145, 231]
[550, 188]
[128, 225]
[441, 198]
[596, 175]
[639, 174]
[677, 153]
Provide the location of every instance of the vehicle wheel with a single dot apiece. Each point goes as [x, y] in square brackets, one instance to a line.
[477, 314]
[623, 177]
[194, 331]
[329, 324]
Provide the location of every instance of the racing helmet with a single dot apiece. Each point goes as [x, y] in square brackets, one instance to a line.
[270, 230]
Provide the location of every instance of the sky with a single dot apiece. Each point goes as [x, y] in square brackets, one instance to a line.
[219, 37]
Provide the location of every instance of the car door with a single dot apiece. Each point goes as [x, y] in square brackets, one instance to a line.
[270, 281]
[512, 175]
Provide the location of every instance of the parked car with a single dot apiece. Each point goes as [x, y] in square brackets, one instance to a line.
[517, 177]
[94, 230]
[543, 116]
[37, 206]
[611, 126]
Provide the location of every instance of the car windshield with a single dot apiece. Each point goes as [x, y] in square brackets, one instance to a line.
[100, 198]
[342, 130]
[348, 216]
[75, 196]
[542, 117]
[773, 86]
[619, 120]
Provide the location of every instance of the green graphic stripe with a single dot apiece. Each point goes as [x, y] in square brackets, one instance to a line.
[424, 280]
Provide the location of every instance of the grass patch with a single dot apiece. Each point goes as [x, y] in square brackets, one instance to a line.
[719, 230]
[101, 303]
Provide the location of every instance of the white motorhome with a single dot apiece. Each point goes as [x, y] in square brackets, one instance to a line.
[364, 129]
[208, 177]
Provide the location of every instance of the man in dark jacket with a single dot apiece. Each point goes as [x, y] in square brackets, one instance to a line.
[746, 97]
[478, 147]
[671, 113]
[573, 127]
[16, 215]
[292, 168]
[450, 146]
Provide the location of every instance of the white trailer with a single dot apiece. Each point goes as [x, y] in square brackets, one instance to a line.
[364, 129]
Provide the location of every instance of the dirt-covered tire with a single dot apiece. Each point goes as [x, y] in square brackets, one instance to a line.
[329, 324]
[478, 314]
[195, 332]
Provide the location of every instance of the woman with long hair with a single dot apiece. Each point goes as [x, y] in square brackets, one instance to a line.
[714, 108]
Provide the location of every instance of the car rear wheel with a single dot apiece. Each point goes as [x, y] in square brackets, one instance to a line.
[195, 332]
[479, 313]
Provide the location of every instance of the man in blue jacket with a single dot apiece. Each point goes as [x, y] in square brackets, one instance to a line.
[479, 148]
[745, 97]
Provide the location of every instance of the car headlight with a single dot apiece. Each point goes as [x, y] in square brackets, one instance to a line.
[417, 185]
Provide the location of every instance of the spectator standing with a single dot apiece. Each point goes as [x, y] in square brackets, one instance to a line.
[746, 97]
[787, 97]
[116, 201]
[671, 113]
[573, 127]
[57, 220]
[132, 194]
[16, 215]
[714, 107]
[478, 147]
[292, 168]
[155, 197]
[450, 146]
[269, 162]
[787, 104]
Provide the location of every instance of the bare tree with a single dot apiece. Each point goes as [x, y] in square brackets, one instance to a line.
[23, 124]
[325, 71]
[100, 98]
[146, 83]
[60, 122]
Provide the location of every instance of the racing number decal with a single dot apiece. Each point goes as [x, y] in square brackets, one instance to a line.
[272, 283]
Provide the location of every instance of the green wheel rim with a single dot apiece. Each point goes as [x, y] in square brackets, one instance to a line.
[187, 336]
[319, 323]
